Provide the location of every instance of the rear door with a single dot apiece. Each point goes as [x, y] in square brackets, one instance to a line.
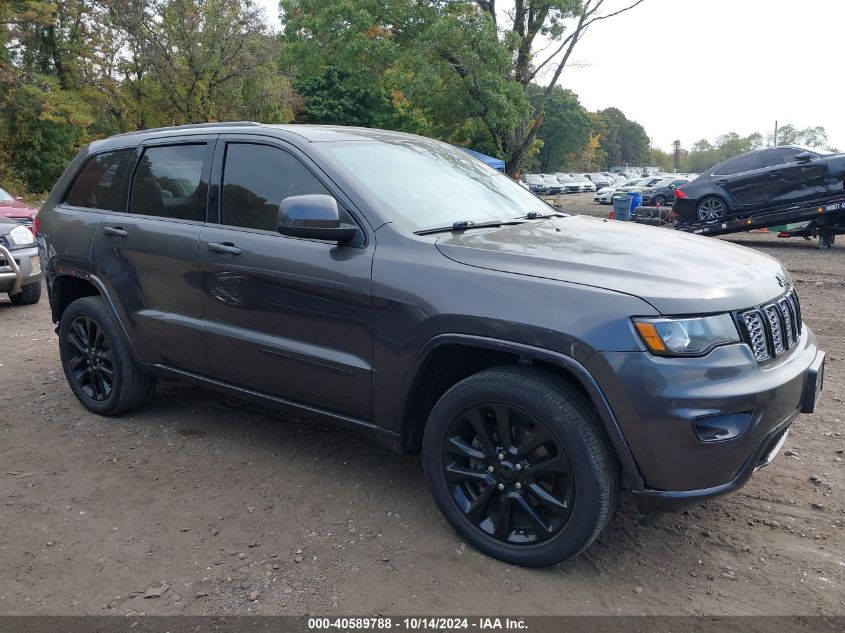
[742, 182]
[146, 256]
[285, 316]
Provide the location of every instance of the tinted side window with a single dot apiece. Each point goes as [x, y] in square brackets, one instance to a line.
[256, 178]
[739, 165]
[167, 182]
[781, 156]
[101, 184]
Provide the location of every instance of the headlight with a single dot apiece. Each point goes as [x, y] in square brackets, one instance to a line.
[686, 337]
[21, 236]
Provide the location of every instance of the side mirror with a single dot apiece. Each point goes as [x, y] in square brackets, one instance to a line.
[19, 198]
[804, 157]
[313, 216]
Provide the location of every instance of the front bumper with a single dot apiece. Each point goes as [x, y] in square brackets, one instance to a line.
[657, 402]
[18, 268]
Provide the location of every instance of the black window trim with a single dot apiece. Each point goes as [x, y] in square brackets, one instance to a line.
[129, 167]
[210, 143]
[215, 206]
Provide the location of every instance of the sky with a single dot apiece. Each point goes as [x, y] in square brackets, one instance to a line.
[692, 69]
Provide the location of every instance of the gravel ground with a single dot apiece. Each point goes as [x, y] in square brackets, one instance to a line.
[208, 505]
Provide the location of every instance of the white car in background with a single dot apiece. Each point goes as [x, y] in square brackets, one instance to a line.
[605, 194]
[585, 183]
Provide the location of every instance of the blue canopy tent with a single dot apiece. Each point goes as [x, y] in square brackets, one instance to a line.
[495, 163]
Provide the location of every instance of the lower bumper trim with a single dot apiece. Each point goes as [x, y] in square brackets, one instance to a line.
[658, 501]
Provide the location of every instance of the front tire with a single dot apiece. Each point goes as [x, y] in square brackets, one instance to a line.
[97, 362]
[29, 295]
[517, 463]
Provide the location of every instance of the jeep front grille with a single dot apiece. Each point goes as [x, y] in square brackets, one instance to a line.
[773, 328]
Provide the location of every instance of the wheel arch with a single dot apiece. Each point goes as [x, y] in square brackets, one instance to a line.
[67, 287]
[448, 358]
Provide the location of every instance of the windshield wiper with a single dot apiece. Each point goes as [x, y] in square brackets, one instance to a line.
[463, 225]
[536, 215]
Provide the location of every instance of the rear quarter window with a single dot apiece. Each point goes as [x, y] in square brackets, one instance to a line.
[101, 183]
[739, 165]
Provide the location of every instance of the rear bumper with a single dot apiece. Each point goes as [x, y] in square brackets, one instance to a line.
[685, 208]
[18, 268]
[659, 401]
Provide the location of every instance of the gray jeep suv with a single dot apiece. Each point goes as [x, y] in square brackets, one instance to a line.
[395, 285]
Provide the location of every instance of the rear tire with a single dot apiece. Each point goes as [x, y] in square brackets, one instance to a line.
[659, 201]
[711, 209]
[97, 361]
[29, 294]
[527, 506]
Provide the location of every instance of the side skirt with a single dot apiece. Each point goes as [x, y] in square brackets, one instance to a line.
[384, 437]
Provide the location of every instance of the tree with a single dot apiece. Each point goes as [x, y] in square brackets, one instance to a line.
[203, 60]
[453, 70]
[565, 128]
[791, 135]
[529, 20]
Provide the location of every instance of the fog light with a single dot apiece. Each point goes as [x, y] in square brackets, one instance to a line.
[715, 428]
[35, 263]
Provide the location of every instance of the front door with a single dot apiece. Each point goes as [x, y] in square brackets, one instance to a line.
[147, 257]
[286, 317]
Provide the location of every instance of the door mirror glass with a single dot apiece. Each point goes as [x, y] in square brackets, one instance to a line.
[804, 157]
[313, 216]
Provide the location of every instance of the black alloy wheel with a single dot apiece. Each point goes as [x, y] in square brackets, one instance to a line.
[97, 359]
[711, 210]
[90, 358]
[508, 474]
[516, 462]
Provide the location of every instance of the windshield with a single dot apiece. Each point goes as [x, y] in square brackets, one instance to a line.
[426, 184]
[5, 196]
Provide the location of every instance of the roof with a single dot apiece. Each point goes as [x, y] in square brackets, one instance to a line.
[495, 163]
[311, 133]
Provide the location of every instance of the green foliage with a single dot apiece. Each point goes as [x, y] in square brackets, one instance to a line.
[624, 142]
[705, 154]
[565, 130]
[75, 70]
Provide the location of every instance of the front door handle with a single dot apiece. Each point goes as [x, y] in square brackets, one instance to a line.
[115, 231]
[226, 248]
[774, 174]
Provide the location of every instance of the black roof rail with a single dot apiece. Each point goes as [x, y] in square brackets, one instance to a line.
[191, 126]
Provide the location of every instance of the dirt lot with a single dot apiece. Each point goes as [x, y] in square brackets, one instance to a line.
[241, 509]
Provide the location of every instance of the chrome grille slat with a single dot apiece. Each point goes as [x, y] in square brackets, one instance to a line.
[783, 306]
[774, 328]
[754, 326]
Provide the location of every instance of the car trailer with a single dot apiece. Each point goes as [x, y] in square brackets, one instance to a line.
[826, 220]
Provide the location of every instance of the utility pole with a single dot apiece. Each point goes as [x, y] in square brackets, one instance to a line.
[775, 143]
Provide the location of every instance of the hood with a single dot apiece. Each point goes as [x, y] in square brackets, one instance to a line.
[677, 273]
[15, 209]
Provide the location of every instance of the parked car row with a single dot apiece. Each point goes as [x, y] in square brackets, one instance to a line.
[560, 182]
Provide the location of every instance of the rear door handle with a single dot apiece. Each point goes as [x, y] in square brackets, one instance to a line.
[115, 231]
[721, 183]
[774, 174]
[226, 248]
